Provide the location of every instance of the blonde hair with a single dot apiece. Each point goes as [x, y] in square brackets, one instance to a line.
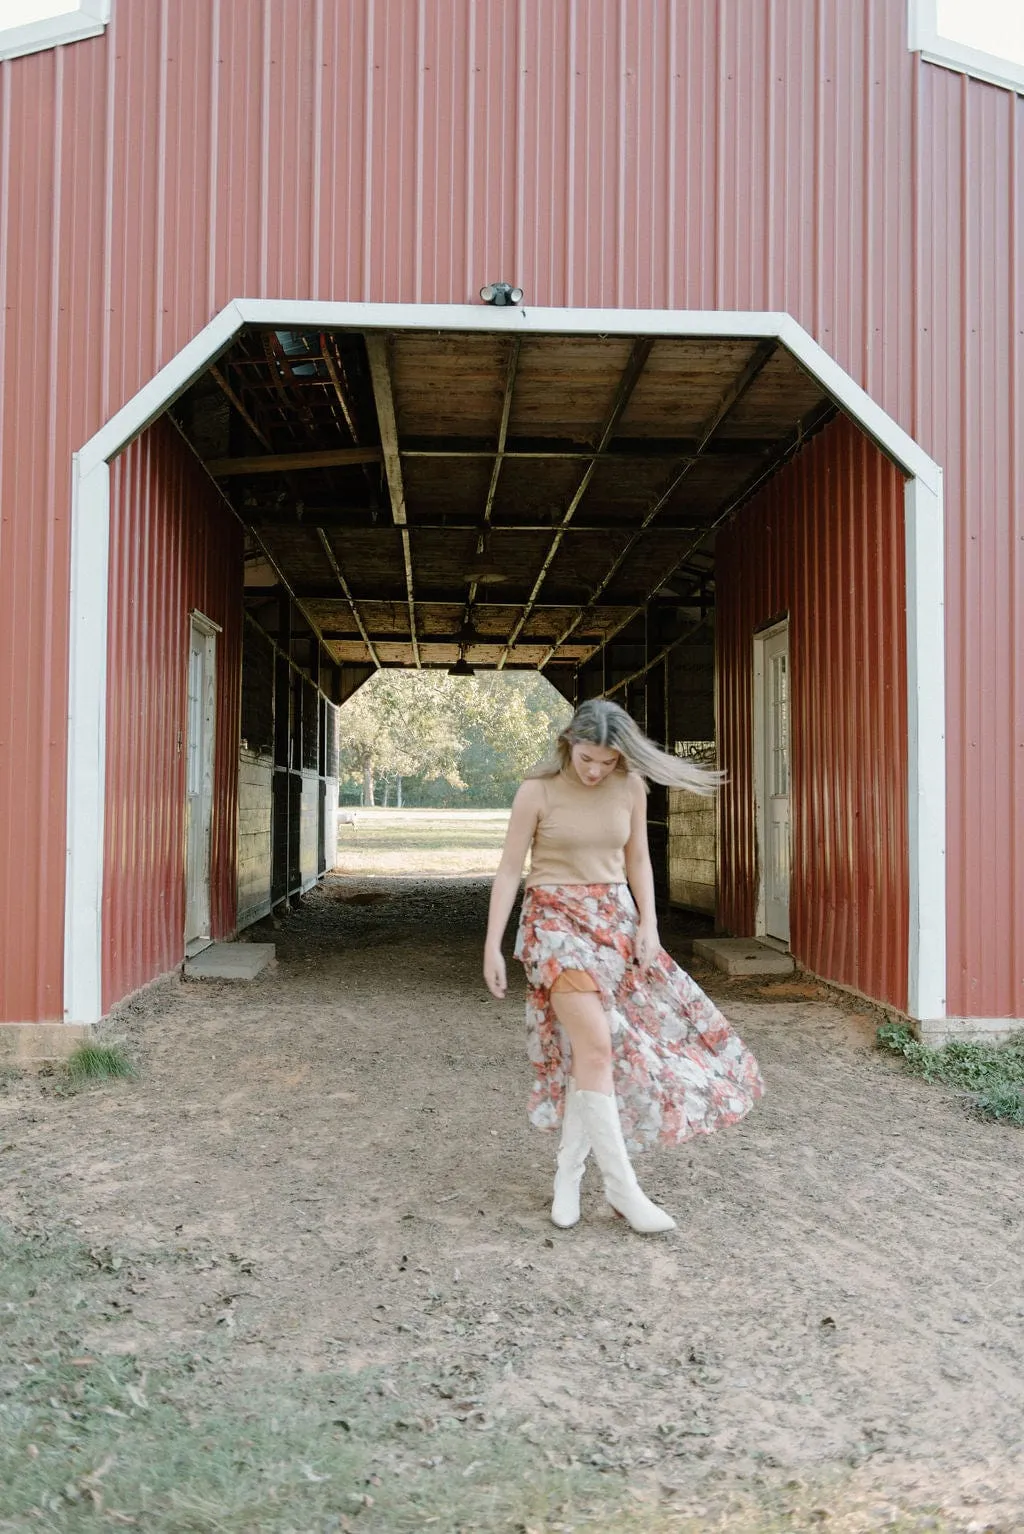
[600, 722]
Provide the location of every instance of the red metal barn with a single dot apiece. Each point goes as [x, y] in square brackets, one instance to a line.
[746, 454]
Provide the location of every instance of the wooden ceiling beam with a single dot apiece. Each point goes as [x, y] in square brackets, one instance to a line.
[359, 519]
[221, 381]
[655, 660]
[654, 450]
[639, 353]
[731, 397]
[456, 637]
[384, 400]
[805, 428]
[325, 544]
[334, 374]
[499, 458]
[286, 463]
[454, 599]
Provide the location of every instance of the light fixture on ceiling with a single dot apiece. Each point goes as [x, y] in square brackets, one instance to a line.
[484, 572]
[501, 293]
[461, 667]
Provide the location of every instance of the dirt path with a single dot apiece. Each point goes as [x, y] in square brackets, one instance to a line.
[341, 1153]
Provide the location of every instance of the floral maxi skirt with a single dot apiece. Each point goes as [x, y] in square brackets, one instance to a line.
[679, 1069]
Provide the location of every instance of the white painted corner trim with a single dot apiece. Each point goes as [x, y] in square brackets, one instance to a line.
[924, 37]
[926, 746]
[90, 534]
[89, 18]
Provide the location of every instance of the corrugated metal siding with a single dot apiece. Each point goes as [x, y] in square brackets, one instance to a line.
[174, 548]
[969, 402]
[824, 543]
[773, 154]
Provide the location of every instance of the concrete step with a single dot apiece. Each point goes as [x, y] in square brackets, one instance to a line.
[743, 956]
[230, 961]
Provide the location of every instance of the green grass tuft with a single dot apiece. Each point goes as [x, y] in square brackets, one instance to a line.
[1003, 1103]
[98, 1062]
[993, 1074]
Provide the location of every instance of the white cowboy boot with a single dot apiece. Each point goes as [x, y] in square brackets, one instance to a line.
[601, 1123]
[573, 1151]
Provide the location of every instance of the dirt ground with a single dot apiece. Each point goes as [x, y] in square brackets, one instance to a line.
[339, 1155]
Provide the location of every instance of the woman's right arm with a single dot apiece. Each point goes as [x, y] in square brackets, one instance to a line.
[527, 808]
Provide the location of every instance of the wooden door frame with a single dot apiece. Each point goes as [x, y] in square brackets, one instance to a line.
[761, 637]
[199, 623]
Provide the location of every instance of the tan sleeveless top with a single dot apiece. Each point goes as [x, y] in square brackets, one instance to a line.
[582, 832]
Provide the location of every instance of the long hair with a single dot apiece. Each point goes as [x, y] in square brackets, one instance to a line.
[600, 722]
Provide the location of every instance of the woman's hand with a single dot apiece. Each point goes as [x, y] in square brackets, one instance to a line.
[646, 944]
[494, 972]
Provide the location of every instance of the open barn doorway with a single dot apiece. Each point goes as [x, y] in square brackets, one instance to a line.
[422, 502]
[590, 496]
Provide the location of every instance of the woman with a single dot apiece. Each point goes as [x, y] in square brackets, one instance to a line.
[652, 1060]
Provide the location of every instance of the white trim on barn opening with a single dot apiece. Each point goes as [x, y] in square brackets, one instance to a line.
[925, 36]
[926, 683]
[71, 24]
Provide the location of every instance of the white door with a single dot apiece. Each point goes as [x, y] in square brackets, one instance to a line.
[199, 781]
[771, 743]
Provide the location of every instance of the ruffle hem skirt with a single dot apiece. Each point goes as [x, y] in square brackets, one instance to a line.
[679, 1069]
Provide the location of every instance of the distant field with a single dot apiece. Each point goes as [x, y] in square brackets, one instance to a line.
[422, 842]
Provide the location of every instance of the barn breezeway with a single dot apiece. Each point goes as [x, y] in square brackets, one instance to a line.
[697, 514]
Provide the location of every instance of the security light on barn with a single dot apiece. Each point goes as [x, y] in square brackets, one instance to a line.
[501, 293]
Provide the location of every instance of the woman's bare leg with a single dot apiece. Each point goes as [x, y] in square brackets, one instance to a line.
[584, 1020]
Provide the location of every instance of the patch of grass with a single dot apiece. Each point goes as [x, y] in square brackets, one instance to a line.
[993, 1074]
[206, 1443]
[97, 1062]
[424, 842]
[1003, 1103]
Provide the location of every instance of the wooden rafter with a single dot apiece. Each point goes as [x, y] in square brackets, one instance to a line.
[452, 597]
[655, 660]
[285, 463]
[499, 458]
[792, 445]
[343, 583]
[250, 420]
[638, 356]
[361, 519]
[334, 375]
[651, 450]
[458, 636]
[285, 584]
[739, 386]
[384, 400]
[335, 372]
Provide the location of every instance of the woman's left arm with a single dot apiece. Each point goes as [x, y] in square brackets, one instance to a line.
[641, 877]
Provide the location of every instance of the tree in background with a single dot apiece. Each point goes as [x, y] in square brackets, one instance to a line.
[446, 741]
[397, 725]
